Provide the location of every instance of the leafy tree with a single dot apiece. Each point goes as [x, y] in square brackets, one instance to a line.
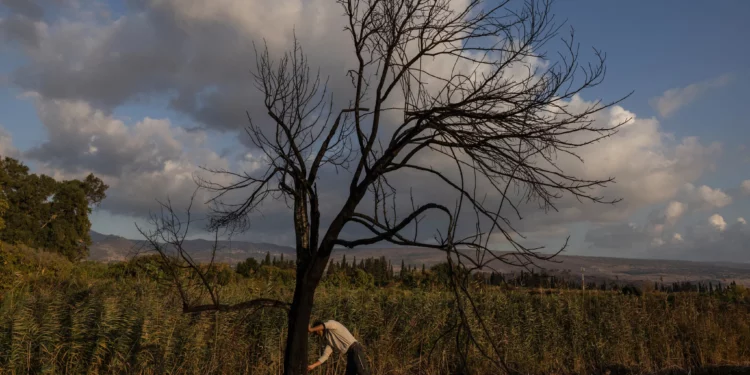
[48, 214]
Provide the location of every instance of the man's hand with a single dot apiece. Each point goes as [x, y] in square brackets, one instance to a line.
[314, 365]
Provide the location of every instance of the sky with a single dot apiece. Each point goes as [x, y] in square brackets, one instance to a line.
[143, 93]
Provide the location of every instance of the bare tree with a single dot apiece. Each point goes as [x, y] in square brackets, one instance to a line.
[498, 127]
[194, 281]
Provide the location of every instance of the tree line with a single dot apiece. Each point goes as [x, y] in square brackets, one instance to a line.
[379, 271]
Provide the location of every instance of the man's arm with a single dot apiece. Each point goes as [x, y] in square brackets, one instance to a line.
[326, 353]
[315, 329]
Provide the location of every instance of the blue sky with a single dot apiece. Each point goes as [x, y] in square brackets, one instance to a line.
[698, 50]
[665, 44]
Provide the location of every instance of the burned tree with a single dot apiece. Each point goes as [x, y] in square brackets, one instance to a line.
[499, 118]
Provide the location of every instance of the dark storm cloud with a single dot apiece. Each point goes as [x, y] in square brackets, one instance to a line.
[20, 29]
[27, 8]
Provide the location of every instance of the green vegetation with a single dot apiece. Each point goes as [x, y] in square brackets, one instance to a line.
[59, 317]
[38, 211]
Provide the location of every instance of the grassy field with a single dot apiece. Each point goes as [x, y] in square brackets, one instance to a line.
[89, 318]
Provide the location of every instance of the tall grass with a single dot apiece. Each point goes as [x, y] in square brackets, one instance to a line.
[59, 318]
[96, 325]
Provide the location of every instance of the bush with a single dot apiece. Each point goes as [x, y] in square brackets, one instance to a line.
[19, 263]
[363, 279]
[248, 267]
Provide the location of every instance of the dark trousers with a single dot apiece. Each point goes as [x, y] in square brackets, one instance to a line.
[356, 362]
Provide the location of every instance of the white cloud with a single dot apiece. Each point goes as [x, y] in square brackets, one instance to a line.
[674, 99]
[169, 47]
[717, 222]
[746, 187]
[674, 211]
[82, 137]
[741, 220]
[705, 197]
[143, 161]
[648, 166]
[713, 240]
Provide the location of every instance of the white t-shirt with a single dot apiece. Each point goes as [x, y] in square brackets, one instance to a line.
[337, 336]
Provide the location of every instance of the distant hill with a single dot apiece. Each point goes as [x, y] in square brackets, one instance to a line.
[108, 248]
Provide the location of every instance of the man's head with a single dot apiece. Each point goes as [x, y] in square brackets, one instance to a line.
[319, 323]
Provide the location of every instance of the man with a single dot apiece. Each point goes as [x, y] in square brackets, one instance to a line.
[339, 338]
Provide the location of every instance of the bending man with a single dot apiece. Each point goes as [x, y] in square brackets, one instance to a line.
[339, 338]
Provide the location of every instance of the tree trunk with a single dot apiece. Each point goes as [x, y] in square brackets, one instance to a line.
[295, 354]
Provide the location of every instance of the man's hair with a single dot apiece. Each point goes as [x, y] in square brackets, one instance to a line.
[319, 323]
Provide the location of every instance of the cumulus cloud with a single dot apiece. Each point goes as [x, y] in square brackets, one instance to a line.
[81, 137]
[674, 99]
[711, 240]
[168, 47]
[649, 168]
[661, 224]
[705, 197]
[712, 243]
[692, 199]
[674, 211]
[142, 161]
[717, 222]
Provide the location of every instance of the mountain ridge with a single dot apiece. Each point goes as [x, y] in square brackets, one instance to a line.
[110, 248]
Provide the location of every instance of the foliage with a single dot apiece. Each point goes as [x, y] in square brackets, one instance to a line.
[247, 267]
[3, 208]
[19, 263]
[47, 214]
